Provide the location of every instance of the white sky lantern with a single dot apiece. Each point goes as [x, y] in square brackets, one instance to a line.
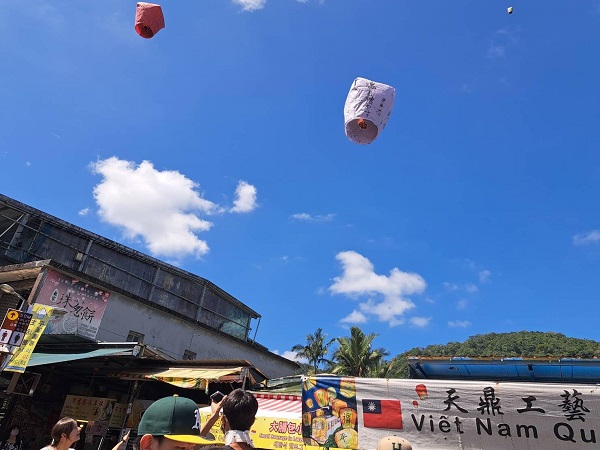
[367, 110]
[149, 19]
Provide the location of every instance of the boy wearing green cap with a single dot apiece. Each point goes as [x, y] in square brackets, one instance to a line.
[171, 423]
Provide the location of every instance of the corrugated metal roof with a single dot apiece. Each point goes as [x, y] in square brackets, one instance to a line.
[551, 370]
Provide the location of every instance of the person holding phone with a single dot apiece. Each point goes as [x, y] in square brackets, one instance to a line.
[239, 413]
[216, 404]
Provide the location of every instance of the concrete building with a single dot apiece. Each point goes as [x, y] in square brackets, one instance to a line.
[113, 293]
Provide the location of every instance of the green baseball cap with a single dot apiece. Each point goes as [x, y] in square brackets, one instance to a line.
[176, 418]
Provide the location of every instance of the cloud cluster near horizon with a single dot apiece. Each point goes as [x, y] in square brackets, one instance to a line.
[385, 297]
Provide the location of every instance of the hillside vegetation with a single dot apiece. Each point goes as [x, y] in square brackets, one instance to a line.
[517, 344]
[525, 344]
[356, 355]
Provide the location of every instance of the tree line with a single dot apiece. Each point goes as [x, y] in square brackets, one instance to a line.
[356, 355]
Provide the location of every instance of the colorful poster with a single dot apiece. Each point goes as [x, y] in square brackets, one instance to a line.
[329, 413]
[277, 433]
[88, 408]
[14, 327]
[441, 415]
[85, 304]
[216, 431]
[41, 314]
[267, 432]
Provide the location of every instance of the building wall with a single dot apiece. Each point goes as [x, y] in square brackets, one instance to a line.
[217, 324]
[173, 336]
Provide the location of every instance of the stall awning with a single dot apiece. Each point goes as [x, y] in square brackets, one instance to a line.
[39, 359]
[189, 377]
[276, 405]
[192, 378]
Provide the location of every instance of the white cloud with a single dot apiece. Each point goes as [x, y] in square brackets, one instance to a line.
[459, 324]
[245, 200]
[453, 287]
[510, 35]
[589, 237]
[318, 218]
[484, 276]
[471, 288]
[360, 280]
[84, 212]
[160, 207]
[503, 40]
[251, 5]
[420, 321]
[450, 287]
[461, 304]
[288, 354]
[354, 317]
[496, 51]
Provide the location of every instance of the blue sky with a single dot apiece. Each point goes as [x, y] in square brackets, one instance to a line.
[218, 145]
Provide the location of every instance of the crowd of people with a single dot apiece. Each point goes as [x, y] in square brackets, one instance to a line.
[173, 423]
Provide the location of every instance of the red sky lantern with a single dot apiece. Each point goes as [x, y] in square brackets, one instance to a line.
[149, 19]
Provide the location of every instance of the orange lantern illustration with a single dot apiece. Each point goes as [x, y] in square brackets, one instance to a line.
[348, 417]
[422, 391]
[319, 429]
[346, 438]
[307, 419]
[337, 405]
[347, 388]
[309, 403]
[321, 397]
[149, 19]
[309, 383]
[332, 394]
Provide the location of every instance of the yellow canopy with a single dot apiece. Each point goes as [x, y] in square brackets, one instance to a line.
[192, 378]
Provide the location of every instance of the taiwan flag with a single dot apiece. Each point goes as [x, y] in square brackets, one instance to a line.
[382, 414]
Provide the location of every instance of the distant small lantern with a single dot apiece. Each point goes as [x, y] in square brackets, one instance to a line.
[149, 19]
[510, 9]
[367, 110]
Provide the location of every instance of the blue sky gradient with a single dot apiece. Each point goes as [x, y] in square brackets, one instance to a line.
[218, 145]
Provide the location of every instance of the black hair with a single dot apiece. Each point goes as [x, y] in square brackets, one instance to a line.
[64, 426]
[136, 442]
[240, 409]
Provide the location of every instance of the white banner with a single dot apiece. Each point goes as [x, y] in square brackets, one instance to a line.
[438, 415]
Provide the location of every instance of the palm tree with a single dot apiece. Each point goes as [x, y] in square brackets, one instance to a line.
[315, 349]
[385, 369]
[355, 355]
